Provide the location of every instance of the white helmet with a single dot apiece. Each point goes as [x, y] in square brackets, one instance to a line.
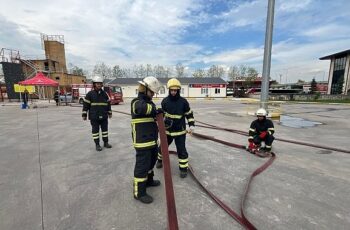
[151, 83]
[97, 79]
[261, 112]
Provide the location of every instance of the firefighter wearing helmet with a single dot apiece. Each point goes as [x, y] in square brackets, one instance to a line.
[144, 137]
[97, 107]
[261, 129]
[177, 109]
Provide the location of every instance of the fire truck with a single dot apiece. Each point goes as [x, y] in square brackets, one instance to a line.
[114, 92]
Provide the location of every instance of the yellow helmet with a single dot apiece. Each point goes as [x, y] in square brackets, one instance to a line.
[174, 84]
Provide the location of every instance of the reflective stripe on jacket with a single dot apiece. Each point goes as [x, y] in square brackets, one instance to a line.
[97, 105]
[143, 123]
[177, 110]
[256, 127]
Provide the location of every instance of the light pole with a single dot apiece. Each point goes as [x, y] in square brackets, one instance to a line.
[267, 54]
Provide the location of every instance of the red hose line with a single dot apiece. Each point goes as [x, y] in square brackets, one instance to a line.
[209, 126]
[169, 190]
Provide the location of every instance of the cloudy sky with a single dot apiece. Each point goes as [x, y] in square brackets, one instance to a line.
[196, 33]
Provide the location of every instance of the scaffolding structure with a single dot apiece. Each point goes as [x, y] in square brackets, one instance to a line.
[54, 38]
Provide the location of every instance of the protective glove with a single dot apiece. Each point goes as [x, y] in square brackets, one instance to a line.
[191, 130]
[84, 118]
[251, 145]
[263, 135]
[159, 110]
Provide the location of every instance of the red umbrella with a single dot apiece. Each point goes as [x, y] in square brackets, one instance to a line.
[40, 80]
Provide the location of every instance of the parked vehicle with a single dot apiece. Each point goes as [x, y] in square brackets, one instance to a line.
[229, 92]
[66, 98]
[114, 92]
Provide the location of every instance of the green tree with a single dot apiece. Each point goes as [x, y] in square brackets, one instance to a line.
[117, 72]
[102, 69]
[215, 71]
[243, 71]
[77, 71]
[233, 73]
[149, 70]
[180, 70]
[139, 71]
[198, 73]
[252, 74]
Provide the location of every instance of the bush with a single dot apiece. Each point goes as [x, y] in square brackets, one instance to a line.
[317, 96]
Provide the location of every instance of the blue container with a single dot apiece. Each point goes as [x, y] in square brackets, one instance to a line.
[24, 106]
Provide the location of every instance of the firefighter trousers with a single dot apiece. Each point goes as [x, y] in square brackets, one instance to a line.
[268, 141]
[96, 124]
[180, 142]
[143, 172]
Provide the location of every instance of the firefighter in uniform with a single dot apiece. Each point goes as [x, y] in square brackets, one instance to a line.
[261, 129]
[144, 137]
[98, 105]
[176, 109]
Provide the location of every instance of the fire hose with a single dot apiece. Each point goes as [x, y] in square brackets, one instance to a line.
[171, 206]
[209, 126]
[241, 219]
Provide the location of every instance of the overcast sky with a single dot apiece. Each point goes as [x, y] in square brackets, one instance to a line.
[196, 33]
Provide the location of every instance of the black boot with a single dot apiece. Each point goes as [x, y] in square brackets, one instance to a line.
[141, 193]
[151, 182]
[159, 164]
[146, 199]
[106, 145]
[183, 173]
[98, 148]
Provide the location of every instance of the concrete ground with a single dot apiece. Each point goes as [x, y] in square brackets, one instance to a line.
[79, 188]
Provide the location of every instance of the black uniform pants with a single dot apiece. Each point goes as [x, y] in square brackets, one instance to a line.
[143, 171]
[268, 141]
[96, 124]
[180, 142]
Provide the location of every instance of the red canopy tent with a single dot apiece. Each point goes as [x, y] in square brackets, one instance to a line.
[40, 80]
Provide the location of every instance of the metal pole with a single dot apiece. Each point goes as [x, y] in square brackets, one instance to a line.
[267, 55]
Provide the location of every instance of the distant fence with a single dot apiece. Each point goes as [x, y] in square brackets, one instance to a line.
[302, 97]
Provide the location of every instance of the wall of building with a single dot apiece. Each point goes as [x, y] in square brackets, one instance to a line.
[55, 51]
[346, 84]
[213, 91]
[330, 76]
[347, 76]
[65, 79]
[12, 75]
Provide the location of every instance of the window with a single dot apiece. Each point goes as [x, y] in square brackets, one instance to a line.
[182, 91]
[116, 89]
[339, 63]
[204, 91]
[162, 90]
[46, 66]
[217, 90]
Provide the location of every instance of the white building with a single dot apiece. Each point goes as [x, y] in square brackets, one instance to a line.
[339, 72]
[190, 87]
